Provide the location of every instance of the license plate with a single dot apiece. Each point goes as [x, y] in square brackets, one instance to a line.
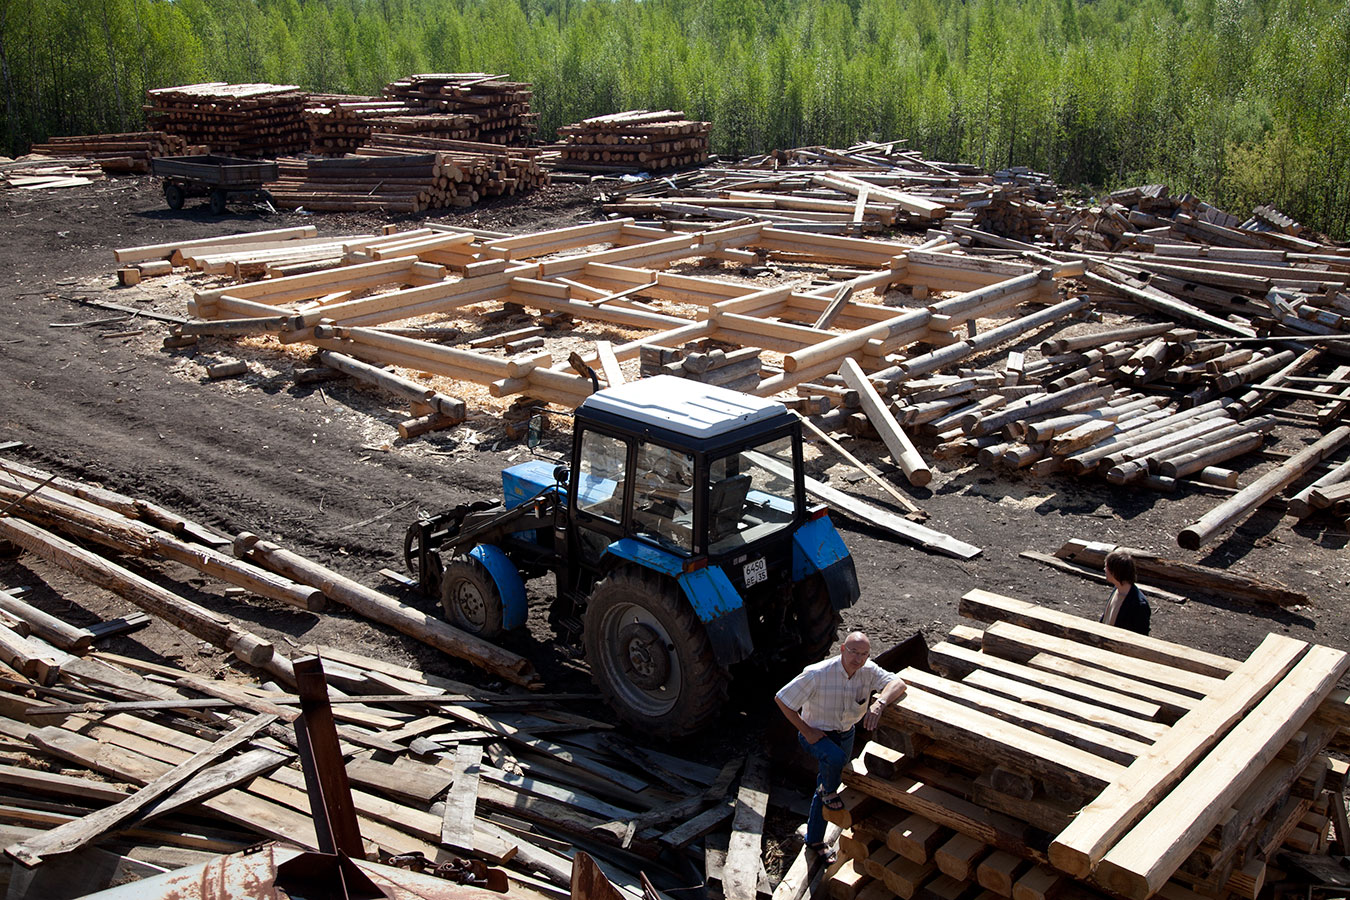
[756, 571]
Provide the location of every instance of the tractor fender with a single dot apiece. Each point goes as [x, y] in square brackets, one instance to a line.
[817, 547]
[711, 595]
[509, 584]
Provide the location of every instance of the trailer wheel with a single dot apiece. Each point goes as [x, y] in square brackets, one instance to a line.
[650, 655]
[218, 201]
[470, 599]
[174, 195]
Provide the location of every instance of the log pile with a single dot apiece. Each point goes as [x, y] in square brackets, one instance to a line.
[736, 369]
[340, 123]
[89, 738]
[484, 170]
[636, 140]
[1053, 756]
[123, 153]
[234, 119]
[493, 110]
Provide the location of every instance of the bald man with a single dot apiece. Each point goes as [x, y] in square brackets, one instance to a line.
[825, 703]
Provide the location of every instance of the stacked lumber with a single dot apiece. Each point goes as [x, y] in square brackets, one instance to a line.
[340, 123]
[116, 152]
[735, 369]
[639, 139]
[497, 110]
[404, 183]
[92, 742]
[479, 169]
[235, 119]
[1054, 756]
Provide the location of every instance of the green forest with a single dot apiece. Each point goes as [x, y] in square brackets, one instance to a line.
[1238, 101]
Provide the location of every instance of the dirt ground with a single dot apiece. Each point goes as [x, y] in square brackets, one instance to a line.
[321, 469]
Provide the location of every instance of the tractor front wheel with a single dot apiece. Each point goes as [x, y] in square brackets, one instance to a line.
[470, 599]
[650, 655]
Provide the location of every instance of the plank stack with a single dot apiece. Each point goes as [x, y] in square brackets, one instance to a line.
[237, 119]
[1054, 756]
[635, 140]
[494, 110]
[129, 153]
[34, 174]
[339, 123]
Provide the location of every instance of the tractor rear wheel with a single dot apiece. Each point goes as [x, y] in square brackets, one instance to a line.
[817, 620]
[650, 655]
[470, 599]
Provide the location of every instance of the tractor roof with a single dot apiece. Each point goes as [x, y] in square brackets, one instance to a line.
[699, 411]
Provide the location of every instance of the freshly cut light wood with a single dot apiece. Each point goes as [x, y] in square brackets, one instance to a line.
[165, 251]
[1142, 861]
[902, 449]
[1080, 846]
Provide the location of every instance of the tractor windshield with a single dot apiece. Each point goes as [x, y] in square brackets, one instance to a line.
[750, 495]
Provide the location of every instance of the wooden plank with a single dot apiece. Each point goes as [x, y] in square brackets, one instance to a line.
[418, 786]
[1173, 704]
[877, 517]
[950, 658]
[903, 451]
[609, 363]
[1099, 741]
[740, 876]
[985, 606]
[988, 737]
[1142, 861]
[80, 832]
[457, 819]
[1086, 841]
[1020, 644]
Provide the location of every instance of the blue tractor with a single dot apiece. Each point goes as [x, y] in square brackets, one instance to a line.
[681, 543]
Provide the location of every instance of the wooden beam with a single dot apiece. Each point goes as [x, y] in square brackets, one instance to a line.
[1142, 861]
[457, 821]
[903, 451]
[740, 875]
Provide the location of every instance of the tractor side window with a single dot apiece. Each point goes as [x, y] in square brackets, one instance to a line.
[750, 495]
[603, 468]
[663, 496]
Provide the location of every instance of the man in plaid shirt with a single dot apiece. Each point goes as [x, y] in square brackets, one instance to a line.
[825, 703]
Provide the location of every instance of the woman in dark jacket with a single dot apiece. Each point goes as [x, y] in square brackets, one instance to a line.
[1127, 607]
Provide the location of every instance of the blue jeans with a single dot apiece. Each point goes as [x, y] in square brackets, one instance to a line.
[832, 751]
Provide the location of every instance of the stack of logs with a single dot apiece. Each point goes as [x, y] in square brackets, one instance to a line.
[406, 174]
[340, 123]
[129, 153]
[728, 367]
[495, 111]
[1055, 756]
[635, 140]
[240, 119]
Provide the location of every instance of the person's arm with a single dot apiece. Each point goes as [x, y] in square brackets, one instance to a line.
[811, 734]
[889, 694]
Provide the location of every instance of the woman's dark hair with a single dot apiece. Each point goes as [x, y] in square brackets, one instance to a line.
[1120, 566]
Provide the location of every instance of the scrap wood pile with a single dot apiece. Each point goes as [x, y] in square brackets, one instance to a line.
[39, 173]
[493, 110]
[157, 765]
[636, 140]
[867, 187]
[240, 119]
[340, 123]
[1054, 756]
[129, 153]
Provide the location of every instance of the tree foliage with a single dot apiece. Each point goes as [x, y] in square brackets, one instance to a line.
[1240, 101]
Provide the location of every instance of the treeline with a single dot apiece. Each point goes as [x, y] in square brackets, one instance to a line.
[1238, 101]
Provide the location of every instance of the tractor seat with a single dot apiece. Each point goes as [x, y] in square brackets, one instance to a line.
[726, 502]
